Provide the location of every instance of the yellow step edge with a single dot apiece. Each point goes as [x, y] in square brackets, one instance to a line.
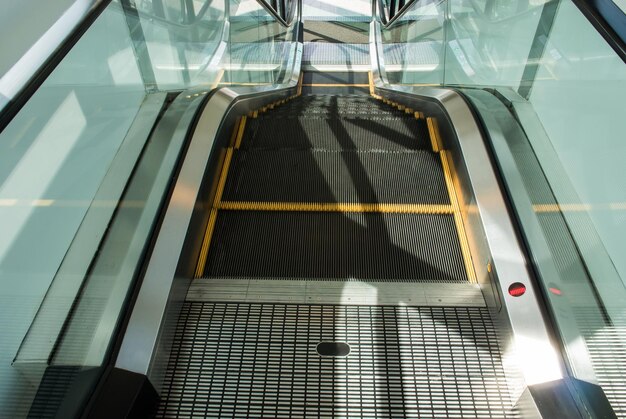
[335, 207]
[208, 234]
[300, 81]
[242, 128]
[206, 241]
[458, 218]
[435, 138]
[370, 81]
[233, 137]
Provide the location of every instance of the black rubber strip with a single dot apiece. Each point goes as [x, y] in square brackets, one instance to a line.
[342, 176]
[373, 246]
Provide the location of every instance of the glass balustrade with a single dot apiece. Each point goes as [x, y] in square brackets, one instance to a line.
[73, 228]
[565, 85]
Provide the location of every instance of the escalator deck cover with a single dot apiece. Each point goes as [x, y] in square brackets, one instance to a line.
[260, 360]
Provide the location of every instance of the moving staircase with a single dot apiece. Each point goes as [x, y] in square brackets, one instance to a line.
[409, 230]
[335, 278]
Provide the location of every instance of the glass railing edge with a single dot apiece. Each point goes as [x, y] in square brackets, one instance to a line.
[609, 20]
[33, 68]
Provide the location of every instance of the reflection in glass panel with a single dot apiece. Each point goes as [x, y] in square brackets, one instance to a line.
[567, 86]
[53, 158]
[578, 97]
[258, 45]
[182, 43]
[413, 48]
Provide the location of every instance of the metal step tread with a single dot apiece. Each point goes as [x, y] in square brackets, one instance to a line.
[336, 176]
[246, 360]
[333, 245]
[336, 105]
[391, 133]
[351, 292]
[314, 77]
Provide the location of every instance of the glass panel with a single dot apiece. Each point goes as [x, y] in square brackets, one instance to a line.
[567, 87]
[24, 28]
[342, 11]
[70, 248]
[258, 45]
[54, 156]
[413, 48]
[489, 42]
[578, 97]
[182, 46]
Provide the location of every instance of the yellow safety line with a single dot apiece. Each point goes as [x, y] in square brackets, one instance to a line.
[220, 74]
[336, 207]
[233, 137]
[242, 127]
[458, 218]
[300, 80]
[204, 252]
[206, 241]
[435, 138]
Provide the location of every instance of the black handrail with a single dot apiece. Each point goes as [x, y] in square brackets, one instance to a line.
[54, 59]
[288, 19]
[609, 20]
[397, 8]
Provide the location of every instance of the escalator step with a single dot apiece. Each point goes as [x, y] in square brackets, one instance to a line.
[334, 106]
[395, 133]
[241, 360]
[336, 90]
[336, 176]
[315, 77]
[391, 246]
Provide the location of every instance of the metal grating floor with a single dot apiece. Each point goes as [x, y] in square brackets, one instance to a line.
[607, 347]
[324, 53]
[260, 360]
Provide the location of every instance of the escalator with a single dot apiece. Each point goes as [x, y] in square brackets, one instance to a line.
[335, 279]
[285, 209]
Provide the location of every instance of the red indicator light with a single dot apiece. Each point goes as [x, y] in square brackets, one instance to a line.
[555, 291]
[517, 289]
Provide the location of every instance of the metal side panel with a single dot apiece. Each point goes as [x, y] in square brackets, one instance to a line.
[147, 340]
[497, 255]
